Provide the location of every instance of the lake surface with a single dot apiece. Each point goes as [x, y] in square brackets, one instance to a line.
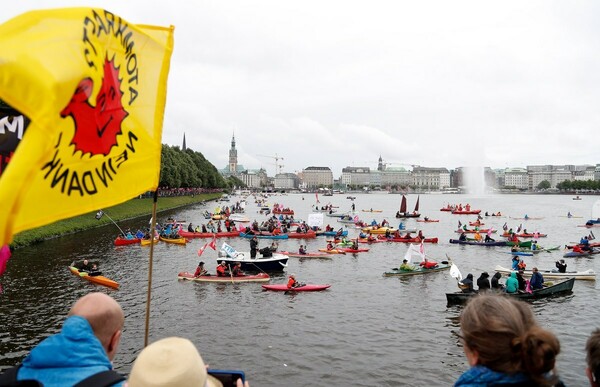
[365, 330]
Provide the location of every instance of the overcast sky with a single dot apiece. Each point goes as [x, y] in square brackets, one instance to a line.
[339, 83]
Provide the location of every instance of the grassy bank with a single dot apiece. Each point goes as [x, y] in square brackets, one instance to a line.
[131, 209]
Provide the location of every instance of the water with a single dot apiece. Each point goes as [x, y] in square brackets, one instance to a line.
[365, 330]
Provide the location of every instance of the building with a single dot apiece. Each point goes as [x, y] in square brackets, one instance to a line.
[233, 168]
[516, 177]
[555, 174]
[254, 178]
[356, 176]
[430, 178]
[286, 181]
[317, 177]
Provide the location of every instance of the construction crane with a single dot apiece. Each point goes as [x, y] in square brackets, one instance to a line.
[278, 166]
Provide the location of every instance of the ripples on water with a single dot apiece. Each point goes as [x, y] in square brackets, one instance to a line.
[365, 330]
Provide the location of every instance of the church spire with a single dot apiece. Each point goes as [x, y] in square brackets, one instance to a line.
[183, 147]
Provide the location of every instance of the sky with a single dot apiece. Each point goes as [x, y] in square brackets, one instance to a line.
[341, 83]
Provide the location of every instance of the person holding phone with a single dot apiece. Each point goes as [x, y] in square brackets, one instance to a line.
[175, 361]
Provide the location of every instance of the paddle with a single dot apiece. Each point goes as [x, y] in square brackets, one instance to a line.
[230, 272]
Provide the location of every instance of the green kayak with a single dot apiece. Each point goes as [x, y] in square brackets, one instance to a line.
[418, 270]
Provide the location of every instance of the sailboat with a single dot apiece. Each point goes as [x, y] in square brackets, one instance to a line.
[404, 214]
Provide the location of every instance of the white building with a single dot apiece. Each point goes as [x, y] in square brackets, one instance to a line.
[315, 177]
[286, 181]
[254, 178]
[430, 178]
[356, 176]
[516, 177]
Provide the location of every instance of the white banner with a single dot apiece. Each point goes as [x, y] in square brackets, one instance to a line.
[315, 220]
[230, 251]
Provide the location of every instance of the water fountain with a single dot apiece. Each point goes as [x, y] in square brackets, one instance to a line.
[474, 180]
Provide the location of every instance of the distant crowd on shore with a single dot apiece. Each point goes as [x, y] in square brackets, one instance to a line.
[502, 341]
[170, 192]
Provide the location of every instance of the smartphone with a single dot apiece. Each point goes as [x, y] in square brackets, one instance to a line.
[227, 377]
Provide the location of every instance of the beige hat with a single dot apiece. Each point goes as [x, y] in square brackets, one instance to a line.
[172, 361]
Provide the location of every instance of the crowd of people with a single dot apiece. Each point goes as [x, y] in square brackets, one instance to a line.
[83, 351]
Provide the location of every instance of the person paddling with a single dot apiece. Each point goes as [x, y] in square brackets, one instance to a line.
[200, 270]
[292, 283]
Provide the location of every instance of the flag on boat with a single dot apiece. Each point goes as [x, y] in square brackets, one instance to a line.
[213, 242]
[455, 273]
[93, 87]
[416, 250]
[201, 249]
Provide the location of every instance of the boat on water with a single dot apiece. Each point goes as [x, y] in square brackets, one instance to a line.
[526, 235]
[576, 254]
[176, 241]
[428, 220]
[333, 251]
[383, 230]
[372, 210]
[465, 212]
[310, 234]
[414, 239]
[124, 241]
[403, 213]
[223, 234]
[239, 218]
[586, 275]
[481, 231]
[332, 233]
[260, 277]
[148, 242]
[527, 218]
[264, 235]
[316, 255]
[303, 288]
[475, 243]
[265, 260]
[96, 279]
[558, 288]
[577, 198]
[397, 272]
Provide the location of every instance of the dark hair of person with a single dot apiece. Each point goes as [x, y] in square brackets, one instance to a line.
[507, 339]
[592, 349]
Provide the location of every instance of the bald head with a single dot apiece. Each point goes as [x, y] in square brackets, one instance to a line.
[105, 317]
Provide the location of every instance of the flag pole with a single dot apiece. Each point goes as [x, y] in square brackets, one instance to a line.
[149, 292]
[111, 219]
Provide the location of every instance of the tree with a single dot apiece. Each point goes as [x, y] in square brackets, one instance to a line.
[544, 184]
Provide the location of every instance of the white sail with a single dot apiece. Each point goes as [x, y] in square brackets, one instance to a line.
[416, 250]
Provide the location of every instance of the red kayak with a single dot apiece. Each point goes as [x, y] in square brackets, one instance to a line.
[465, 212]
[302, 235]
[260, 277]
[349, 250]
[123, 241]
[224, 234]
[528, 235]
[305, 288]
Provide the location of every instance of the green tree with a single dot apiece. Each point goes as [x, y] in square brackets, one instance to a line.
[544, 184]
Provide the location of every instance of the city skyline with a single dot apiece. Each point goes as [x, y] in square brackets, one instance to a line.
[434, 83]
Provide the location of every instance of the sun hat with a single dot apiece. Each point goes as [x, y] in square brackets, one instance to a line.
[173, 361]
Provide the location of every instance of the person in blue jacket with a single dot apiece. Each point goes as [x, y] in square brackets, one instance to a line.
[85, 346]
[537, 280]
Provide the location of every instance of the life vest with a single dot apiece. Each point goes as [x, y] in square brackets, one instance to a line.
[428, 264]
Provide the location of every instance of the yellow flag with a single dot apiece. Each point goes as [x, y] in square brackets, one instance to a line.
[93, 87]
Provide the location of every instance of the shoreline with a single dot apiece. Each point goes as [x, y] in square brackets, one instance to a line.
[130, 209]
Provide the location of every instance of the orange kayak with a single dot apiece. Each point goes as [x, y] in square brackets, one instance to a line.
[97, 279]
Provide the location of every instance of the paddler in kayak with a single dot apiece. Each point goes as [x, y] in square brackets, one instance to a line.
[406, 266]
[292, 283]
[222, 269]
[237, 270]
[200, 270]
[83, 266]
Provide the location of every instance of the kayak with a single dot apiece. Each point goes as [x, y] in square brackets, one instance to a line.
[308, 255]
[481, 231]
[305, 288]
[261, 277]
[223, 234]
[265, 235]
[428, 220]
[97, 279]
[124, 241]
[302, 235]
[396, 272]
[528, 235]
[178, 241]
[333, 251]
[465, 212]
[367, 240]
[349, 250]
[147, 242]
[474, 242]
[409, 240]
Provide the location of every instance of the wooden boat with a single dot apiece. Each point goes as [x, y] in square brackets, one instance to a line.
[396, 272]
[96, 279]
[554, 289]
[465, 212]
[475, 243]
[275, 262]
[260, 277]
[177, 241]
[586, 275]
[526, 235]
[148, 242]
[403, 213]
[124, 241]
[264, 235]
[302, 235]
[223, 234]
[415, 239]
[309, 255]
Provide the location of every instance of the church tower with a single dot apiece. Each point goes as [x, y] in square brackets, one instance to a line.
[380, 166]
[233, 157]
[183, 147]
